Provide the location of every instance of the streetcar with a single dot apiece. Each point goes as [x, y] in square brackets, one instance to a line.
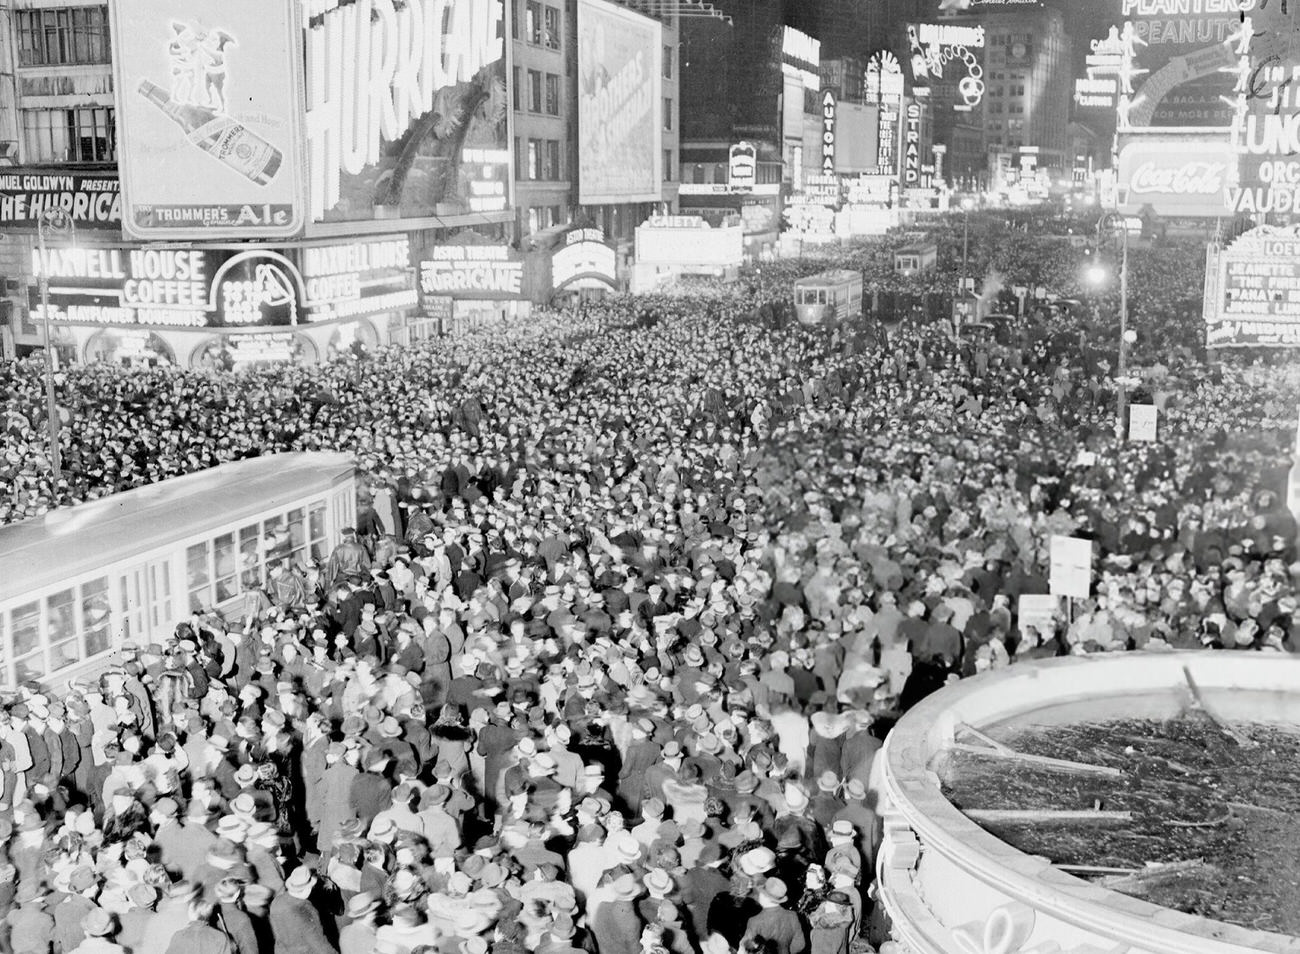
[81, 581]
[916, 259]
[828, 297]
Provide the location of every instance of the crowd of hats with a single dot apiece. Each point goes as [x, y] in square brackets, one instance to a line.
[626, 612]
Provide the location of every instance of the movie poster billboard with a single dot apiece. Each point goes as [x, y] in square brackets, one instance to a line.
[1251, 296]
[92, 201]
[620, 105]
[209, 118]
[407, 108]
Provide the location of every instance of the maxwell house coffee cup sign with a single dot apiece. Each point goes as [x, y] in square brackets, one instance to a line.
[1177, 177]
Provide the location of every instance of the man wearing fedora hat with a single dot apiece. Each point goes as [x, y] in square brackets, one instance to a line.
[200, 936]
[295, 922]
[616, 926]
[358, 935]
[775, 925]
[31, 928]
[231, 916]
[98, 926]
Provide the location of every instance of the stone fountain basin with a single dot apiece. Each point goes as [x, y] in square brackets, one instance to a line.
[950, 887]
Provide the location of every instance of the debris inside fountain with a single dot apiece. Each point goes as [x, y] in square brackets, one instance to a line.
[1215, 824]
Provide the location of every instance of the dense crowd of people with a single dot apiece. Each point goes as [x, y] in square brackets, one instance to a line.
[634, 593]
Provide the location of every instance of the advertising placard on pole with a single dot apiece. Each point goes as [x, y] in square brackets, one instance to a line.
[1038, 611]
[209, 118]
[1142, 422]
[1071, 567]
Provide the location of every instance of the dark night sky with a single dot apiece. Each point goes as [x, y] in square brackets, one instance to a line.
[1085, 18]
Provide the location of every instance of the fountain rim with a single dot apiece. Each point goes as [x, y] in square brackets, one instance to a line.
[912, 788]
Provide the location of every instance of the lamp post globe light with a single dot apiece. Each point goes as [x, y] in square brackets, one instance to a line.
[1113, 220]
[51, 222]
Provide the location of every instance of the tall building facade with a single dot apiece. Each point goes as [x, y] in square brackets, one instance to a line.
[548, 133]
[1029, 73]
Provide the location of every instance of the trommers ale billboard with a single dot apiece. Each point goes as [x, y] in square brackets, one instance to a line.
[620, 101]
[406, 108]
[209, 118]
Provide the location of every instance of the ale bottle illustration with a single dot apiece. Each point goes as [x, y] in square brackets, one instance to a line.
[230, 141]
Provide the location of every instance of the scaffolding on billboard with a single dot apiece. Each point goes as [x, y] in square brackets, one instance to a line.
[676, 8]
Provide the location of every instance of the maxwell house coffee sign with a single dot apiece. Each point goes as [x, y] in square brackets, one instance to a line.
[1177, 177]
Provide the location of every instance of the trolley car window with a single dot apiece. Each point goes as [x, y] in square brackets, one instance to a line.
[27, 628]
[28, 663]
[225, 567]
[249, 571]
[316, 527]
[198, 577]
[296, 534]
[96, 616]
[61, 625]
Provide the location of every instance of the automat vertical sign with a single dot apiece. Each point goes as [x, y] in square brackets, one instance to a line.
[209, 118]
[407, 108]
[828, 132]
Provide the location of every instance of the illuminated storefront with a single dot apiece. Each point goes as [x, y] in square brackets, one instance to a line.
[464, 285]
[225, 305]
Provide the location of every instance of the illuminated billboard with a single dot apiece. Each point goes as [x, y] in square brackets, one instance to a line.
[1177, 176]
[209, 118]
[947, 50]
[92, 201]
[1252, 290]
[620, 105]
[407, 108]
[1192, 63]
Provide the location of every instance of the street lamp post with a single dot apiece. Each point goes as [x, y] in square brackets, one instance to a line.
[965, 243]
[1121, 370]
[60, 222]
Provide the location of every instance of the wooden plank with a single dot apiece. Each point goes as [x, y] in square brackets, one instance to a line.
[1223, 725]
[1047, 816]
[1042, 760]
[1096, 869]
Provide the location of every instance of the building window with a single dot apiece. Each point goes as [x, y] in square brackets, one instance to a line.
[668, 165]
[519, 162]
[552, 94]
[63, 37]
[553, 171]
[534, 159]
[535, 91]
[533, 22]
[552, 28]
[668, 113]
[518, 96]
[84, 134]
[534, 220]
[668, 62]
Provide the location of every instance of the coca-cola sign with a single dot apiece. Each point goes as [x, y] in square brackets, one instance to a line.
[1182, 177]
[1191, 178]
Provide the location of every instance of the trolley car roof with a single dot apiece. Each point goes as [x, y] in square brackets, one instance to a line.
[72, 541]
[834, 276]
